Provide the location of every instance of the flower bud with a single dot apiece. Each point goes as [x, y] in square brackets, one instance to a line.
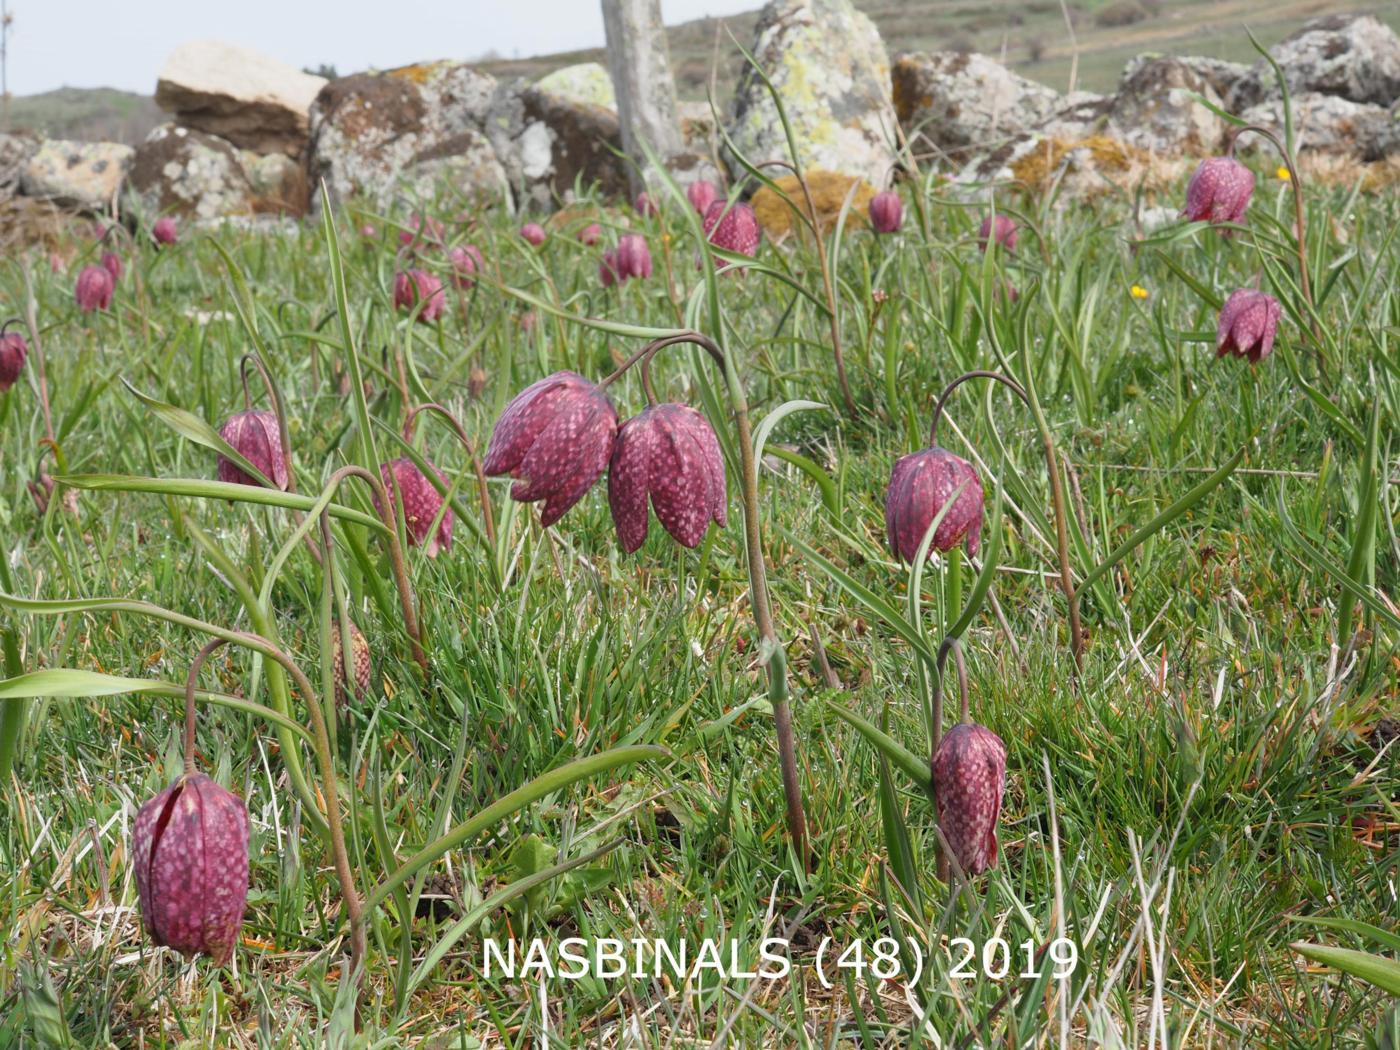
[920, 485]
[13, 351]
[412, 285]
[1000, 228]
[112, 263]
[646, 206]
[359, 654]
[589, 234]
[257, 438]
[534, 233]
[422, 228]
[886, 212]
[165, 231]
[189, 845]
[969, 780]
[701, 195]
[421, 503]
[466, 264]
[94, 289]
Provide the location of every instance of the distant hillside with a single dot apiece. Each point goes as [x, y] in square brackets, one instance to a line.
[1028, 35]
[87, 113]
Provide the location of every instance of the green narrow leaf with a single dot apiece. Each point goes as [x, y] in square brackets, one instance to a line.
[910, 764]
[1375, 970]
[192, 428]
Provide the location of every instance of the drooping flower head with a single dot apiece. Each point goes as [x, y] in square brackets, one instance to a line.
[112, 263]
[165, 231]
[646, 206]
[633, 256]
[189, 845]
[1248, 323]
[13, 351]
[359, 655]
[589, 234]
[969, 780]
[466, 264]
[609, 273]
[256, 437]
[999, 228]
[556, 438]
[920, 485]
[886, 212]
[94, 289]
[732, 227]
[534, 233]
[421, 503]
[669, 454]
[411, 286]
[701, 195]
[1219, 191]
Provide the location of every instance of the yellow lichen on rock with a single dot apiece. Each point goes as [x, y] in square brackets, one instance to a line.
[829, 190]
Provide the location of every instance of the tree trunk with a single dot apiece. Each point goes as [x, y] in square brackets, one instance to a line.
[640, 63]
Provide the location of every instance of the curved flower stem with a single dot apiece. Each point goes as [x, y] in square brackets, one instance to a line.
[827, 285]
[31, 321]
[191, 680]
[1057, 496]
[488, 518]
[950, 644]
[406, 599]
[1304, 281]
[647, 386]
[771, 649]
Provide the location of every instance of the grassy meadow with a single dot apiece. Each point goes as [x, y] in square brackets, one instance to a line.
[595, 733]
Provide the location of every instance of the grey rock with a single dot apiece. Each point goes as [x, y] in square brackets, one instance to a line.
[189, 174]
[247, 98]
[1355, 57]
[1221, 75]
[76, 174]
[956, 104]
[1156, 109]
[829, 66]
[1324, 124]
[16, 149]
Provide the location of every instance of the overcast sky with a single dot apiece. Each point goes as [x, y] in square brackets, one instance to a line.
[124, 43]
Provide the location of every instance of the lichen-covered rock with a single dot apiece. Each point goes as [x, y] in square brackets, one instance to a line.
[16, 148]
[1386, 141]
[547, 142]
[1080, 115]
[243, 96]
[1073, 169]
[829, 66]
[76, 174]
[1156, 109]
[1322, 124]
[829, 190]
[952, 103]
[278, 182]
[587, 83]
[1353, 56]
[188, 174]
[384, 135]
[1220, 74]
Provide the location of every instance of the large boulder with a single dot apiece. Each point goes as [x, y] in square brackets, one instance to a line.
[15, 151]
[1221, 75]
[587, 83]
[958, 104]
[1323, 124]
[189, 174]
[1073, 169]
[1157, 109]
[550, 142]
[383, 135]
[76, 174]
[247, 98]
[278, 182]
[830, 68]
[1352, 56]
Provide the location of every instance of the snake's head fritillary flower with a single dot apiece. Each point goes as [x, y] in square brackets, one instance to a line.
[411, 286]
[422, 228]
[646, 206]
[633, 256]
[466, 264]
[886, 212]
[609, 272]
[359, 655]
[1248, 323]
[534, 233]
[921, 484]
[165, 231]
[701, 194]
[733, 228]
[589, 234]
[969, 780]
[112, 263]
[421, 503]
[669, 454]
[1219, 191]
[190, 848]
[13, 351]
[257, 438]
[999, 228]
[94, 289]
[555, 438]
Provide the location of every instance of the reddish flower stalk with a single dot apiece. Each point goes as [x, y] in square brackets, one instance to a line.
[1057, 496]
[488, 521]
